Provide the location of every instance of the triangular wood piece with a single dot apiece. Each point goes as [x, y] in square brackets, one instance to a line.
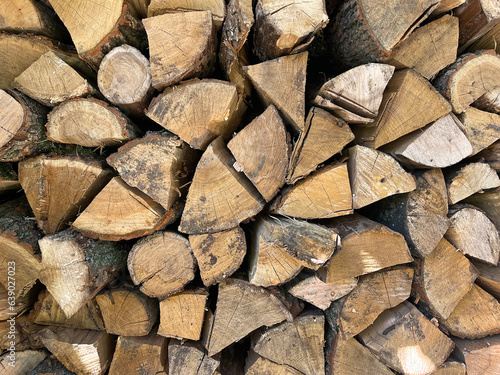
[241, 309]
[26, 360]
[481, 128]
[42, 179]
[470, 179]
[121, 212]
[270, 79]
[375, 175]
[219, 197]
[261, 152]
[482, 356]
[324, 135]
[187, 357]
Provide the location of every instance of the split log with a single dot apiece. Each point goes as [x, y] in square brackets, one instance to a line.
[261, 152]
[491, 156]
[481, 128]
[162, 264]
[9, 181]
[122, 212]
[217, 8]
[75, 268]
[24, 361]
[182, 46]
[140, 355]
[124, 78]
[42, 179]
[257, 365]
[12, 307]
[219, 197]
[312, 289]
[199, 111]
[50, 81]
[186, 358]
[241, 309]
[18, 244]
[469, 78]
[480, 356]
[127, 312]
[490, 101]
[488, 40]
[488, 278]
[276, 35]
[51, 366]
[323, 136]
[451, 368]
[399, 115]
[470, 179]
[406, 341]
[89, 123]
[181, 315]
[158, 164]
[323, 194]
[474, 234]
[218, 255]
[375, 175]
[27, 334]
[269, 79]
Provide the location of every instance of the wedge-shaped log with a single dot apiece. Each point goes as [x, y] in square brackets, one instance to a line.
[451, 367]
[480, 356]
[256, 365]
[190, 358]
[241, 309]
[490, 101]
[481, 128]
[489, 278]
[25, 361]
[470, 179]
[199, 111]
[162, 264]
[216, 7]
[10, 308]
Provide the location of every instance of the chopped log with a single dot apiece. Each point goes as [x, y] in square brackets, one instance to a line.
[43, 177]
[9, 181]
[261, 152]
[269, 79]
[48, 312]
[162, 264]
[257, 365]
[27, 334]
[21, 362]
[355, 95]
[429, 48]
[406, 341]
[470, 179]
[399, 115]
[218, 255]
[477, 315]
[323, 136]
[277, 35]
[490, 101]
[323, 194]
[217, 8]
[12, 307]
[22, 126]
[312, 289]
[469, 78]
[491, 155]
[451, 368]
[76, 268]
[124, 78]
[140, 355]
[437, 145]
[50, 80]
[181, 315]
[18, 246]
[489, 278]
[81, 351]
[488, 40]
[241, 309]
[89, 123]
[122, 212]
[374, 175]
[199, 111]
[480, 356]
[51, 366]
[443, 278]
[158, 164]
[481, 128]
[127, 312]
[219, 197]
[98, 26]
[298, 344]
[182, 46]
[445, 6]
[365, 21]
[186, 358]
[474, 234]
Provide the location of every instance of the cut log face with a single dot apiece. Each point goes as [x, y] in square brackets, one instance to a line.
[406, 341]
[490, 101]
[199, 111]
[26, 361]
[315, 291]
[325, 193]
[451, 368]
[489, 278]
[477, 17]
[190, 358]
[89, 123]
[182, 46]
[241, 309]
[122, 212]
[481, 128]
[9, 309]
[157, 164]
[162, 264]
[374, 175]
[260, 365]
[480, 356]
[324, 135]
[261, 152]
[42, 179]
[298, 344]
[276, 35]
[270, 79]
[76, 268]
[470, 77]
[470, 179]
[220, 254]
[443, 278]
[216, 7]
[219, 197]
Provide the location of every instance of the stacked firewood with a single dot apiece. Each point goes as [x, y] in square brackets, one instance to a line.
[257, 187]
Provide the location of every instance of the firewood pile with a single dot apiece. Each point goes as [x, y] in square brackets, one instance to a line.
[253, 187]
